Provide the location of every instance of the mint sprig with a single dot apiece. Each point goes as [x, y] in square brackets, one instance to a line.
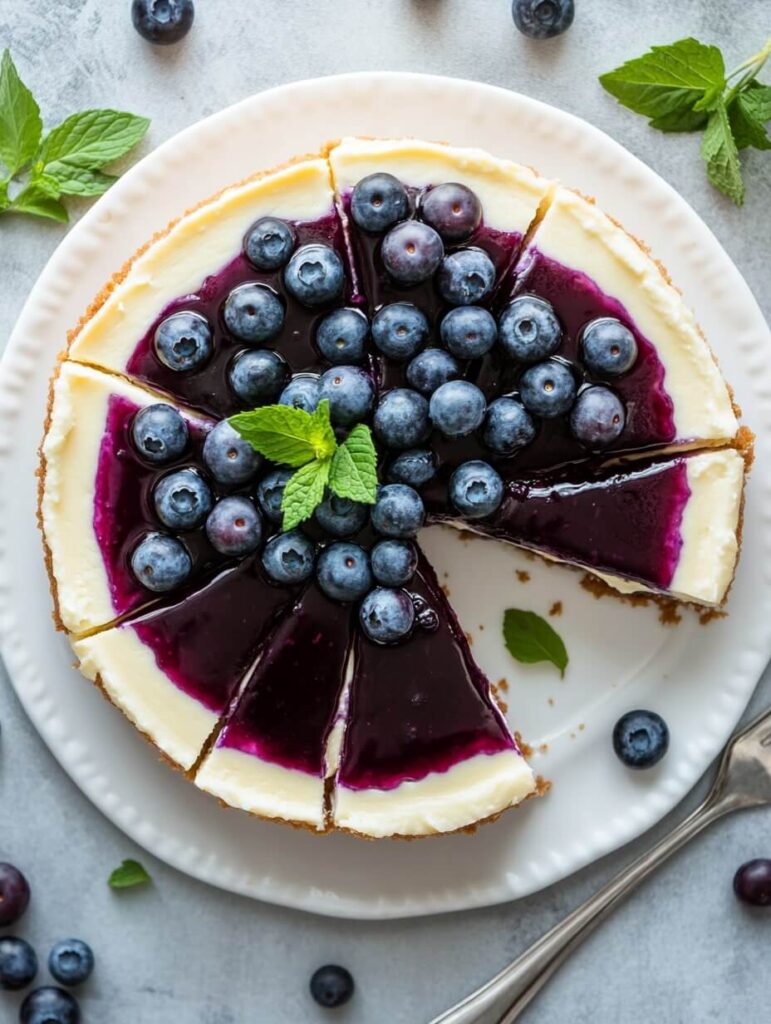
[684, 87]
[129, 874]
[531, 639]
[68, 161]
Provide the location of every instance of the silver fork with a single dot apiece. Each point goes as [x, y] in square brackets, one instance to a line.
[743, 780]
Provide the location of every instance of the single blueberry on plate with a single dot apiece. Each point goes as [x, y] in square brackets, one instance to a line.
[430, 369]
[18, 963]
[400, 330]
[411, 252]
[270, 493]
[162, 21]
[159, 433]
[529, 329]
[257, 377]
[453, 210]
[393, 562]
[341, 517]
[183, 342]
[508, 426]
[378, 202]
[315, 275]
[350, 393]
[415, 467]
[466, 276]
[229, 458]
[387, 616]
[543, 19]
[302, 392]
[398, 511]
[476, 490]
[182, 500]
[254, 313]
[342, 335]
[343, 571]
[14, 894]
[289, 558]
[752, 882]
[71, 962]
[269, 243]
[49, 1005]
[548, 389]
[331, 986]
[457, 408]
[234, 526]
[469, 332]
[608, 349]
[401, 419]
[640, 739]
[597, 418]
[161, 563]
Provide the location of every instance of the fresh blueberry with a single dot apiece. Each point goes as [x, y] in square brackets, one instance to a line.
[315, 275]
[752, 882]
[234, 526]
[269, 243]
[331, 986]
[342, 335]
[529, 329]
[457, 408]
[400, 330]
[469, 332]
[350, 393]
[466, 276]
[14, 894]
[378, 202]
[453, 210]
[543, 19]
[270, 493]
[343, 571]
[548, 389]
[162, 21]
[401, 419]
[159, 433]
[229, 458]
[398, 511]
[289, 558]
[476, 490]
[387, 616]
[71, 962]
[182, 500]
[302, 392]
[608, 349]
[508, 426]
[254, 313]
[258, 377]
[49, 1005]
[598, 417]
[394, 562]
[430, 369]
[341, 517]
[640, 739]
[411, 252]
[161, 563]
[183, 341]
[18, 963]
[415, 467]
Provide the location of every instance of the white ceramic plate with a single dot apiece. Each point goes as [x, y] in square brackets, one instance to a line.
[699, 678]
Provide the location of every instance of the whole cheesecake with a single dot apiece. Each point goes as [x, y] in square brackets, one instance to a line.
[528, 372]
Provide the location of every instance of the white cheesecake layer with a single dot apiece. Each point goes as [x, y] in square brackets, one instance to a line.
[577, 234]
[198, 245]
[470, 791]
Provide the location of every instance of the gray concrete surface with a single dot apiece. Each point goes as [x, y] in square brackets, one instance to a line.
[682, 950]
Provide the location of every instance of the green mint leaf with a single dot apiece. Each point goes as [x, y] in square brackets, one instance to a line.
[78, 181]
[748, 115]
[37, 200]
[304, 491]
[719, 151]
[530, 639]
[353, 473]
[129, 874]
[20, 122]
[757, 98]
[685, 120]
[92, 139]
[280, 433]
[322, 436]
[3, 195]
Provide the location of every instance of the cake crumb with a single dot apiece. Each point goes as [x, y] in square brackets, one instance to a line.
[542, 786]
[465, 535]
[523, 576]
[544, 748]
[526, 749]
[503, 684]
[582, 726]
[481, 627]
[670, 612]
[550, 701]
[469, 639]
[445, 590]
[445, 575]
[556, 609]
[503, 706]
[710, 615]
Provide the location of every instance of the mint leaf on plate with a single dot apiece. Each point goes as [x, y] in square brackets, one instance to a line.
[353, 473]
[20, 122]
[129, 874]
[718, 148]
[304, 491]
[531, 639]
[38, 199]
[284, 434]
[92, 139]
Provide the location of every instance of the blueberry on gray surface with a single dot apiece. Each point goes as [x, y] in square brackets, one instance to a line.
[258, 377]
[49, 1005]
[466, 276]
[343, 571]
[14, 894]
[398, 511]
[229, 458]
[254, 313]
[608, 348]
[270, 493]
[453, 210]
[469, 332]
[71, 962]
[548, 389]
[331, 986]
[393, 562]
[457, 408]
[183, 342]
[597, 418]
[350, 392]
[18, 963]
[378, 202]
[386, 615]
[161, 563]
[289, 558]
[414, 467]
[400, 330]
[640, 739]
[342, 336]
[234, 526]
[182, 500]
[411, 252]
[269, 243]
[476, 490]
[302, 392]
[529, 329]
[507, 426]
[315, 275]
[341, 517]
[543, 19]
[752, 882]
[159, 433]
[430, 369]
[162, 22]
[401, 419]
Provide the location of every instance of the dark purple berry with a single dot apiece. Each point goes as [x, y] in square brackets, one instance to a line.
[640, 739]
[752, 882]
[332, 986]
[14, 894]
[453, 210]
[411, 252]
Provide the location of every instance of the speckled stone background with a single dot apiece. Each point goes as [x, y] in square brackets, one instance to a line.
[682, 949]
